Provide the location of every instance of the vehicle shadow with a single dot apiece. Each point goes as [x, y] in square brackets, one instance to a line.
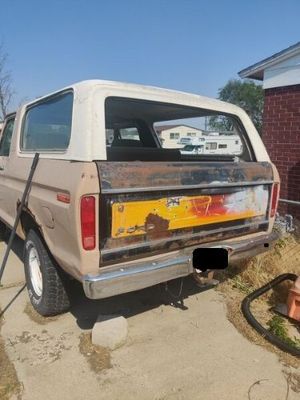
[173, 294]
[17, 246]
[11, 301]
[85, 311]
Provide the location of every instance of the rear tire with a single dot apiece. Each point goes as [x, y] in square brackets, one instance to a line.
[46, 283]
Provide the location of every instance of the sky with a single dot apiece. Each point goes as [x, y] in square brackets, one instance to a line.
[190, 45]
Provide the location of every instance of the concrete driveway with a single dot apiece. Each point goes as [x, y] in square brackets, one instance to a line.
[186, 352]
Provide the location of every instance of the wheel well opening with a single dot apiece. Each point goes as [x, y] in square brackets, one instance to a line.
[28, 223]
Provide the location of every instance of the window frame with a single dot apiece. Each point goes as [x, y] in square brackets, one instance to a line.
[10, 117]
[35, 104]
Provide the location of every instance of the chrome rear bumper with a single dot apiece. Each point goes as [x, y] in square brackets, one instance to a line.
[127, 277]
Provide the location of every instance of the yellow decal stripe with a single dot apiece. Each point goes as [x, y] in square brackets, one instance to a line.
[169, 213]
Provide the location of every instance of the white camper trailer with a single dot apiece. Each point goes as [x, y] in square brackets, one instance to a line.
[212, 144]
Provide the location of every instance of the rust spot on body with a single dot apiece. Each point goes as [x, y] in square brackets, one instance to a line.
[159, 226]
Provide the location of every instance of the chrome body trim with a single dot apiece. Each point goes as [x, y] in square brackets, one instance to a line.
[127, 277]
[215, 185]
[185, 237]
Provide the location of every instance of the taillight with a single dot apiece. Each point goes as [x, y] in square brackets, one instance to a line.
[274, 199]
[88, 222]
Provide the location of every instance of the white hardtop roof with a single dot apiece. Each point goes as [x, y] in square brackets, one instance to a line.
[88, 117]
[160, 94]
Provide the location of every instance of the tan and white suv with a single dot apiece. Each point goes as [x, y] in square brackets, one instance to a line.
[112, 206]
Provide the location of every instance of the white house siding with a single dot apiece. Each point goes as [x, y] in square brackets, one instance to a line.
[284, 73]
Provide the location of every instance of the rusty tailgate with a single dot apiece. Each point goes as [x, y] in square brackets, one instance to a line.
[152, 207]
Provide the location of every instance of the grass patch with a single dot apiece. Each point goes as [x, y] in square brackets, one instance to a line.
[238, 283]
[277, 326]
[9, 383]
[98, 357]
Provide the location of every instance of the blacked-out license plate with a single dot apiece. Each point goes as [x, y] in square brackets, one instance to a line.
[210, 258]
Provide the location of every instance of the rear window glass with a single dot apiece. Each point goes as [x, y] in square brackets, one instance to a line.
[47, 125]
[132, 123]
[218, 134]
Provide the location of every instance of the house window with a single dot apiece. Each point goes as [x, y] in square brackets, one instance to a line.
[191, 134]
[222, 146]
[211, 146]
[174, 135]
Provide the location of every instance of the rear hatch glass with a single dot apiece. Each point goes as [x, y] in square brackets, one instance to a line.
[152, 131]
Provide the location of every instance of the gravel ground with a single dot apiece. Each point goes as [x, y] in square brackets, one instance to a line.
[181, 351]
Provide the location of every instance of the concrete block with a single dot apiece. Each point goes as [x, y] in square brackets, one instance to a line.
[110, 331]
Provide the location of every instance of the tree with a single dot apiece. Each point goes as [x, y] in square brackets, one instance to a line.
[246, 94]
[6, 91]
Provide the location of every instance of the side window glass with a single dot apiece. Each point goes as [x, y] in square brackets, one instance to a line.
[129, 133]
[47, 125]
[6, 138]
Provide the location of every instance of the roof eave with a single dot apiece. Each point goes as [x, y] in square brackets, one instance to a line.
[256, 74]
[256, 71]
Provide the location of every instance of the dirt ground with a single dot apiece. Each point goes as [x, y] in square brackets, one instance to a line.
[240, 280]
[173, 351]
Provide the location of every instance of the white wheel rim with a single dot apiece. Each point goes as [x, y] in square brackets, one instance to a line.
[35, 271]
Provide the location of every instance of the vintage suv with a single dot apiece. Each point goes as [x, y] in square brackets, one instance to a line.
[114, 203]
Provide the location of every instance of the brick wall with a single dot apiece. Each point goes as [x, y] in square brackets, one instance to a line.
[281, 135]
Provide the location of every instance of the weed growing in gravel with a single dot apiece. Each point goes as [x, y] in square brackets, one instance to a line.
[278, 327]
